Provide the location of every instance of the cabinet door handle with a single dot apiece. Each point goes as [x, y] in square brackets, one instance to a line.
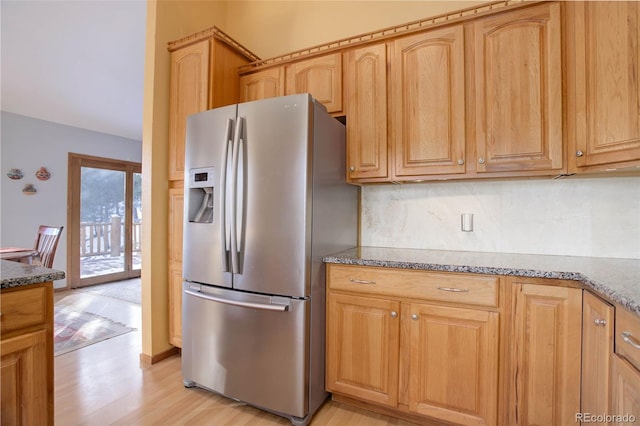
[454, 290]
[394, 314]
[600, 322]
[414, 316]
[626, 336]
[353, 280]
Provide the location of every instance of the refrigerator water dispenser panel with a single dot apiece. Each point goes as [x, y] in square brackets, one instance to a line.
[201, 194]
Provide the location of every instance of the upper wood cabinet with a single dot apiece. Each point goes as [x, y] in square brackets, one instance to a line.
[428, 102]
[605, 68]
[321, 76]
[203, 76]
[518, 90]
[366, 108]
[189, 94]
[263, 84]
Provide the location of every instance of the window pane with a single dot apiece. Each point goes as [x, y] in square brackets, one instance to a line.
[102, 210]
[136, 235]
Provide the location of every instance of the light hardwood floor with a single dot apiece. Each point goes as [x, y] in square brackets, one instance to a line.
[104, 384]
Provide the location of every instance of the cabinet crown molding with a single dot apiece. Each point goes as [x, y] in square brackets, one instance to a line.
[448, 18]
[210, 32]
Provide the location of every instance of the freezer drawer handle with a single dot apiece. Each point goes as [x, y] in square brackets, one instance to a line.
[279, 308]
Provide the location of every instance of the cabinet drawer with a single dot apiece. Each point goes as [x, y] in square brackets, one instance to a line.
[22, 308]
[451, 287]
[628, 336]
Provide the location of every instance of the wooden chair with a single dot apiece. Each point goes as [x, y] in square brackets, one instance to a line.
[46, 245]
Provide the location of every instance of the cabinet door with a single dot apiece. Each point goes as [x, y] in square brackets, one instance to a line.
[519, 90]
[428, 102]
[597, 349]
[625, 395]
[607, 72]
[263, 84]
[363, 341]
[366, 110]
[176, 213]
[454, 364]
[23, 377]
[545, 355]
[321, 76]
[189, 90]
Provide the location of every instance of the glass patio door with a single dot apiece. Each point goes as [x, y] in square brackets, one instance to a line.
[105, 218]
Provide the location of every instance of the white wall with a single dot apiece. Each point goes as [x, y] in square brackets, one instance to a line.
[597, 217]
[28, 143]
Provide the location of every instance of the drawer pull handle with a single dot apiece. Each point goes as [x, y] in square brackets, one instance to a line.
[454, 290]
[626, 336]
[353, 280]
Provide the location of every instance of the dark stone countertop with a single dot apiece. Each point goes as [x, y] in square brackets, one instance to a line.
[615, 280]
[15, 274]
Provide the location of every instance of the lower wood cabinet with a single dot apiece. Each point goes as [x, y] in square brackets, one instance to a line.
[414, 343]
[26, 355]
[454, 364]
[443, 348]
[176, 213]
[363, 338]
[625, 395]
[545, 346]
[625, 370]
[597, 351]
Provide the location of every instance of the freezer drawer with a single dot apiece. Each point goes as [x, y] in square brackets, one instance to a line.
[248, 347]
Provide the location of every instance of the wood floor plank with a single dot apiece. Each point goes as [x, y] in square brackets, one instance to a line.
[104, 384]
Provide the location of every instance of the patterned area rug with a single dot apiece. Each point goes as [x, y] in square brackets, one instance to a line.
[74, 330]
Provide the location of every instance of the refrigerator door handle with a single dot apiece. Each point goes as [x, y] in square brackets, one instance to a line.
[235, 245]
[251, 305]
[225, 225]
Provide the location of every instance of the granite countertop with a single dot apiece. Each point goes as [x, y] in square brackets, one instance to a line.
[15, 274]
[615, 280]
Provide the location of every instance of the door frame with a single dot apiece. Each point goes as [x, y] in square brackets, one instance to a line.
[75, 164]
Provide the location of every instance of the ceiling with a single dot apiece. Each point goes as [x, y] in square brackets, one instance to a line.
[75, 62]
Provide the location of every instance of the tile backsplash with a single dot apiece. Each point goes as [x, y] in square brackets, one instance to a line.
[598, 217]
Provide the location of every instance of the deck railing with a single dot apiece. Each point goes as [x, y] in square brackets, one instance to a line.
[107, 238]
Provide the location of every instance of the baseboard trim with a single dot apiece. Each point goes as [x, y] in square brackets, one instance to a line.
[153, 359]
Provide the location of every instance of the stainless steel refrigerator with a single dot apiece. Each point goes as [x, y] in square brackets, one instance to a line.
[265, 200]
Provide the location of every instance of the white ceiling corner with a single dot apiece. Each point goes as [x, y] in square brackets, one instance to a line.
[75, 62]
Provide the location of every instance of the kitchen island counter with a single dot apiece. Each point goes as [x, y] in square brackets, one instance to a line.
[15, 274]
[616, 280]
